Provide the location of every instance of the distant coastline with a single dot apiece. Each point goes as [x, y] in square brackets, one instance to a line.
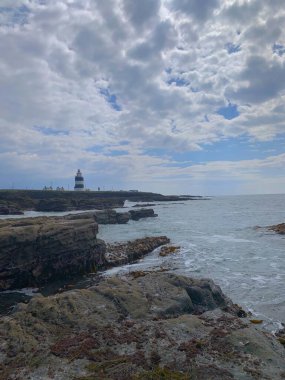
[17, 201]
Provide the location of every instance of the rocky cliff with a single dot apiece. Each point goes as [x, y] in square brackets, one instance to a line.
[34, 251]
[155, 326]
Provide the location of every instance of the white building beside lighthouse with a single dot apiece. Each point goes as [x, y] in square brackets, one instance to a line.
[79, 181]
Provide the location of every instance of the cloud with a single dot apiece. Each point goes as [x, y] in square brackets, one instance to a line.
[265, 80]
[141, 13]
[81, 78]
[199, 10]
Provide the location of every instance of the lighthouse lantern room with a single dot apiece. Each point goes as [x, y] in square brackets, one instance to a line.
[79, 181]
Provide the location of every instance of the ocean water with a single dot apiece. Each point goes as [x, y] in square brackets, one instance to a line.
[219, 240]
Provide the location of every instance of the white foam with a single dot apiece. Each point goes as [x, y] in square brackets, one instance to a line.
[227, 238]
[27, 291]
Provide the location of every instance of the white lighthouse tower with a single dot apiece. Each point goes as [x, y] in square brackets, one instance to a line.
[79, 181]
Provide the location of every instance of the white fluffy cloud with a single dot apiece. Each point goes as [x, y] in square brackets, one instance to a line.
[133, 91]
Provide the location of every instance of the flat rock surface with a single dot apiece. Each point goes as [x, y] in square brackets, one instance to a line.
[155, 326]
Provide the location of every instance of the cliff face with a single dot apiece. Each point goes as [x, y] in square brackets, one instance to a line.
[156, 326]
[36, 250]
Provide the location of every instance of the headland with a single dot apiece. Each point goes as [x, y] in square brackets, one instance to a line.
[17, 201]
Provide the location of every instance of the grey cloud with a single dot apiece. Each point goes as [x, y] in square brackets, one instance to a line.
[163, 37]
[266, 80]
[139, 12]
[243, 13]
[200, 10]
[266, 33]
[111, 20]
[92, 45]
[142, 52]
[188, 33]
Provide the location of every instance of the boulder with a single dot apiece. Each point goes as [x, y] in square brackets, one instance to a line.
[150, 327]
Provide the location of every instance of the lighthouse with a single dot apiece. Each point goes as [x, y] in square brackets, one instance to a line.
[79, 181]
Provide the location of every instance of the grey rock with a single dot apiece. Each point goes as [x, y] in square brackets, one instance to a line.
[143, 327]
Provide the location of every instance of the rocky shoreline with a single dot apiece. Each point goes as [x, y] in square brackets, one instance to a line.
[152, 326]
[144, 325]
[35, 251]
[17, 201]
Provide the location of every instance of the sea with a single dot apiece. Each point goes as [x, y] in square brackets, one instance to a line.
[223, 238]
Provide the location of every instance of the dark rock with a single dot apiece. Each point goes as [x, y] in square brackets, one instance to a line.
[48, 205]
[142, 213]
[34, 251]
[111, 217]
[79, 200]
[278, 228]
[123, 253]
[144, 205]
[168, 250]
[9, 209]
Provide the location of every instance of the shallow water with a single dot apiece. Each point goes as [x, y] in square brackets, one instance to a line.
[218, 240]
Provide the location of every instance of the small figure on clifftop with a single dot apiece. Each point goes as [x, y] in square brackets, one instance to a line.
[79, 181]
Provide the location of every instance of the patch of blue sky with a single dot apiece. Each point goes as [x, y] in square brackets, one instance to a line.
[111, 99]
[96, 149]
[278, 49]
[50, 131]
[179, 82]
[229, 112]
[14, 15]
[234, 149]
[177, 164]
[232, 48]
[115, 153]
[157, 152]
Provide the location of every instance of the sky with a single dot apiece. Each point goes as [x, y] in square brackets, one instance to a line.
[170, 96]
